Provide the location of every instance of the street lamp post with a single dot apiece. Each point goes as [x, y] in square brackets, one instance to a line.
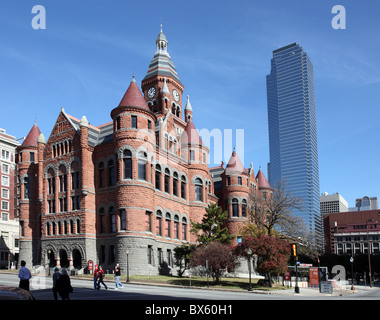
[352, 273]
[49, 251]
[296, 288]
[128, 280]
[369, 255]
[249, 253]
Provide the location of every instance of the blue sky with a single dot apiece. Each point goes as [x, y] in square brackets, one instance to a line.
[85, 58]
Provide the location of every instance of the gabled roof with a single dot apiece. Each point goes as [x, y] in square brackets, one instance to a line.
[234, 164]
[262, 180]
[190, 135]
[31, 138]
[133, 97]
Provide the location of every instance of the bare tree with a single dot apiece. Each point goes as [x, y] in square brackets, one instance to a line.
[272, 213]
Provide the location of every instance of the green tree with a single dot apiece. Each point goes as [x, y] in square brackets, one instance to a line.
[212, 226]
[182, 257]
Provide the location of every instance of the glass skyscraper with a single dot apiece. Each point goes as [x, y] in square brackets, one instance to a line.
[293, 131]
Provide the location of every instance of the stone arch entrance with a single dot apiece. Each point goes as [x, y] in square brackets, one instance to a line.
[64, 261]
[77, 259]
[51, 259]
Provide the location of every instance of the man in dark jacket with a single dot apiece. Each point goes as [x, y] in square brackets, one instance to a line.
[63, 285]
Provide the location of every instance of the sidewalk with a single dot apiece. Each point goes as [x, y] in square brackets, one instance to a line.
[343, 291]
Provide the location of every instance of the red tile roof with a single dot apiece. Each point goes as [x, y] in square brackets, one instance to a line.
[190, 135]
[262, 181]
[133, 97]
[234, 164]
[31, 138]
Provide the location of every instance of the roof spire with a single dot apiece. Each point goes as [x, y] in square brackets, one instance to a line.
[161, 42]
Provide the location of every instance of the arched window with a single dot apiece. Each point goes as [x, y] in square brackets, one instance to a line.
[158, 177]
[48, 229]
[123, 220]
[112, 217]
[127, 162]
[102, 222]
[62, 179]
[159, 223]
[176, 227]
[51, 181]
[235, 208]
[75, 176]
[167, 225]
[244, 208]
[184, 229]
[175, 184]
[198, 190]
[142, 161]
[101, 174]
[72, 226]
[148, 221]
[26, 188]
[78, 226]
[167, 178]
[53, 228]
[183, 187]
[111, 173]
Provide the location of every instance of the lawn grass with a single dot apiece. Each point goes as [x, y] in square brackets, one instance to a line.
[225, 283]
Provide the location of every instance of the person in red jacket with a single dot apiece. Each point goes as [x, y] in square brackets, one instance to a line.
[100, 278]
[96, 277]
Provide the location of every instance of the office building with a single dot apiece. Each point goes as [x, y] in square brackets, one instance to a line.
[9, 225]
[331, 203]
[292, 128]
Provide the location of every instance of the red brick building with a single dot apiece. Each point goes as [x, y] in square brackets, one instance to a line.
[128, 188]
[350, 232]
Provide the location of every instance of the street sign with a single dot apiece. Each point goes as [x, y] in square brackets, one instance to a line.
[90, 265]
[326, 287]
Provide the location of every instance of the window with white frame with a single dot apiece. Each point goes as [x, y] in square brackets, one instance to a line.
[5, 168]
[5, 193]
[5, 155]
[4, 205]
[5, 181]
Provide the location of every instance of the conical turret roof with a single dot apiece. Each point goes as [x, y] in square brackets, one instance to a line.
[32, 137]
[234, 164]
[262, 180]
[133, 97]
[190, 135]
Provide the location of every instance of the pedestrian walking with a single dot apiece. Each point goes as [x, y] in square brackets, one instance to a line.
[56, 275]
[96, 277]
[100, 278]
[117, 276]
[63, 285]
[24, 275]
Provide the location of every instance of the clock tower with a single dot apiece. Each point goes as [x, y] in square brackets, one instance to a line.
[161, 86]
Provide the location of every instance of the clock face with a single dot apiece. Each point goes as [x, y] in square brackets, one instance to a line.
[176, 95]
[151, 92]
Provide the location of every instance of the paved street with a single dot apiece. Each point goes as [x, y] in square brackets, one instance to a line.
[83, 290]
